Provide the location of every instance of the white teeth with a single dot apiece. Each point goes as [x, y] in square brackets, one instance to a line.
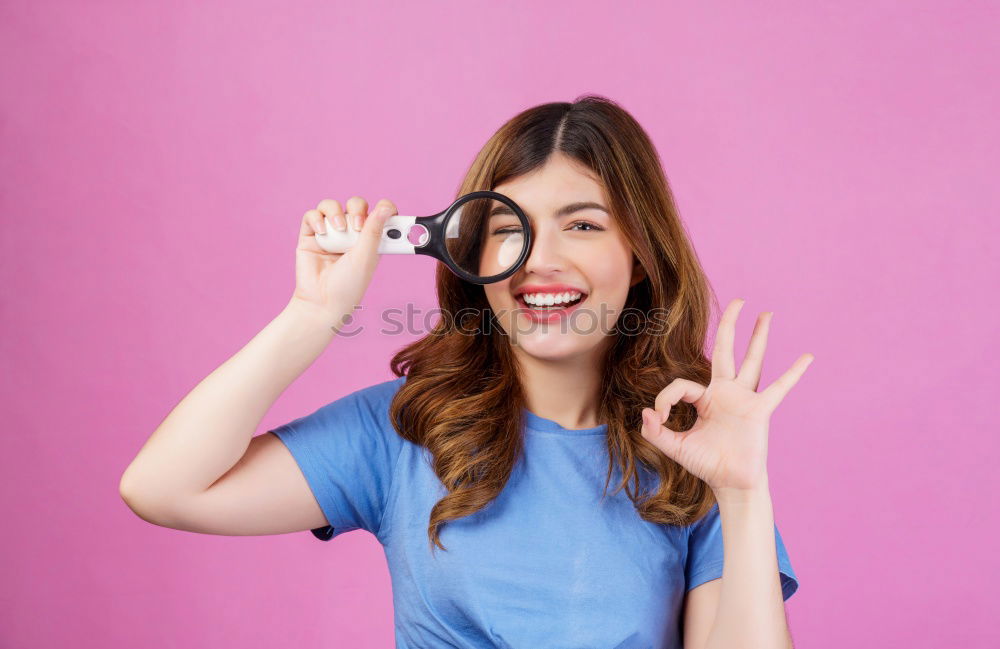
[550, 299]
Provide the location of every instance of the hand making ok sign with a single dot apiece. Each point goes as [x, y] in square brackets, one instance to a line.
[727, 446]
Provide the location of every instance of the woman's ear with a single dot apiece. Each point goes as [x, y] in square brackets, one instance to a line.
[638, 272]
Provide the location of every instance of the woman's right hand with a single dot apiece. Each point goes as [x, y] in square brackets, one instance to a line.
[332, 283]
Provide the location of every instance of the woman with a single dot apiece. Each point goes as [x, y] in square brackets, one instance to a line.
[500, 438]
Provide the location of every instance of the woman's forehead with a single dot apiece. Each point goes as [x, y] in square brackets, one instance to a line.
[557, 182]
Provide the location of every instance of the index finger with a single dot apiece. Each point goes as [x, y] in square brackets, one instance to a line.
[723, 358]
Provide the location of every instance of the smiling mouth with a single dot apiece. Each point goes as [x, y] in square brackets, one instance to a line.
[553, 307]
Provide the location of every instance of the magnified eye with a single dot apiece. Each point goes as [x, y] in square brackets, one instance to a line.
[484, 237]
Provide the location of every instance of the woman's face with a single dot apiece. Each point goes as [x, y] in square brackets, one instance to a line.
[564, 300]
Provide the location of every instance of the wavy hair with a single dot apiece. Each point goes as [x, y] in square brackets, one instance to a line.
[462, 398]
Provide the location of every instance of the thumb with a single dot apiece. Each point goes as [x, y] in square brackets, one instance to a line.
[371, 232]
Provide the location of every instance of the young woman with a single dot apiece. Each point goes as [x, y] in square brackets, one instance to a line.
[484, 468]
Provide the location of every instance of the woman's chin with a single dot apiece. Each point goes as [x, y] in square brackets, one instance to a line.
[553, 346]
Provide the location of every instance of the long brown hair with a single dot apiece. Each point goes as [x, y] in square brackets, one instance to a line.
[462, 398]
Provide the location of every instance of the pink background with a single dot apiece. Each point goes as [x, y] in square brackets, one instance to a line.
[834, 162]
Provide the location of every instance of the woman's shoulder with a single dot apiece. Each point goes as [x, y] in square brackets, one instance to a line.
[366, 407]
[370, 406]
[378, 393]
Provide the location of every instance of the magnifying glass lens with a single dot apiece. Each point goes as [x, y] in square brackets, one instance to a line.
[484, 237]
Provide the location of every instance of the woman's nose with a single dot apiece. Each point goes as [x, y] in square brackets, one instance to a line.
[545, 255]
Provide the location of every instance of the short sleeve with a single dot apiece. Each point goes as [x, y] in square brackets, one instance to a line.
[347, 451]
[704, 560]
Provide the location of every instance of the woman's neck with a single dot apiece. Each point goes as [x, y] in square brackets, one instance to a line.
[564, 391]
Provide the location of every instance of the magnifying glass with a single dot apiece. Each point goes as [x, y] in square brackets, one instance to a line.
[483, 237]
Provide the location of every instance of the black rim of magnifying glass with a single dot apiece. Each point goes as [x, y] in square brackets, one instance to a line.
[437, 246]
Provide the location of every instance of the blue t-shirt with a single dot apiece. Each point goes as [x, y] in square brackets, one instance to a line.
[546, 564]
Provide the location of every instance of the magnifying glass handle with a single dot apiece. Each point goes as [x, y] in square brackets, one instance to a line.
[394, 237]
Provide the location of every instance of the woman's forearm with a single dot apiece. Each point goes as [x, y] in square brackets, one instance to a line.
[210, 429]
[751, 609]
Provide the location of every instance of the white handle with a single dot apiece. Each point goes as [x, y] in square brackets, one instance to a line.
[336, 241]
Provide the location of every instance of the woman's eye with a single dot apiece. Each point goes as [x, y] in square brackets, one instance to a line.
[582, 226]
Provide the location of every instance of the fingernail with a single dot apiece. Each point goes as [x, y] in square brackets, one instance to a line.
[356, 222]
[340, 224]
[322, 226]
[383, 210]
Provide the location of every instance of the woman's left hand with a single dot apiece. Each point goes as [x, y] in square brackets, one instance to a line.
[727, 446]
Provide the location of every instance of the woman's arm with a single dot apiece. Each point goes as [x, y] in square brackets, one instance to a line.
[745, 608]
[727, 449]
[208, 432]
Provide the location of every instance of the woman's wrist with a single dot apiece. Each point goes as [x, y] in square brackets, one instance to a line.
[313, 316]
[740, 497]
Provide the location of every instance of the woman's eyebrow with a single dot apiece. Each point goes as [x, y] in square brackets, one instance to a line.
[562, 211]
